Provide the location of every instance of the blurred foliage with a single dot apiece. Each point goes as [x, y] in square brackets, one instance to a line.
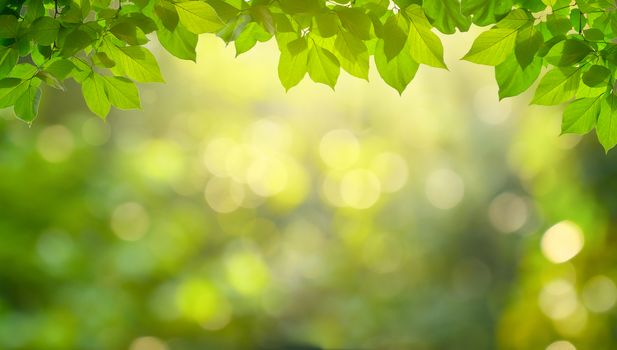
[230, 215]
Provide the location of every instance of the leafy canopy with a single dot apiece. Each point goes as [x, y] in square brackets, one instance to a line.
[101, 45]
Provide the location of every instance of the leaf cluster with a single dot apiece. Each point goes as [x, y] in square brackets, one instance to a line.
[102, 45]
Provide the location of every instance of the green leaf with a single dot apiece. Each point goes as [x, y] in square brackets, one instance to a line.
[485, 12]
[44, 30]
[23, 71]
[557, 86]
[167, 15]
[557, 24]
[425, 46]
[75, 41]
[353, 54]
[262, 15]
[326, 24]
[395, 34]
[121, 92]
[198, 17]
[93, 89]
[355, 21]
[581, 115]
[594, 34]
[578, 20]
[515, 20]
[596, 75]
[513, 79]
[397, 72]
[292, 67]
[549, 44]
[180, 43]
[250, 35]
[10, 90]
[8, 26]
[50, 80]
[568, 53]
[60, 68]
[528, 43]
[129, 32]
[300, 6]
[102, 60]
[323, 67]
[27, 105]
[492, 47]
[135, 62]
[446, 15]
[8, 60]
[606, 128]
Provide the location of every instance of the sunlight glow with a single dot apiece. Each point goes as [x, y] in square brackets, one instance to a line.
[55, 143]
[148, 343]
[558, 299]
[599, 294]
[224, 195]
[339, 149]
[508, 212]
[360, 189]
[561, 345]
[562, 242]
[444, 189]
[130, 221]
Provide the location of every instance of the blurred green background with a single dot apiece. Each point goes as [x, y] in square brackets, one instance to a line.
[228, 214]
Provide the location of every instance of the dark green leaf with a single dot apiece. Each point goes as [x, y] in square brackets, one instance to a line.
[596, 75]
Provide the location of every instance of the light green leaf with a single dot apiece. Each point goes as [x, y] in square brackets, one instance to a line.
[180, 43]
[198, 17]
[606, 128]
[446, 15]
[323, 66]
[557, 86]
[485, 12]
[27, 105]
[23, 71]
[50, 80]
[250, 35]
[121, 92]
[93, 89]
[513, 79]
[492, 47]
[353, 54]
[425, 46]
[292, 68]
[8, 60]
[60, 68]
[135, 62]
[10, 90]
[515, 20]
[581, 115]
[397, 72]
